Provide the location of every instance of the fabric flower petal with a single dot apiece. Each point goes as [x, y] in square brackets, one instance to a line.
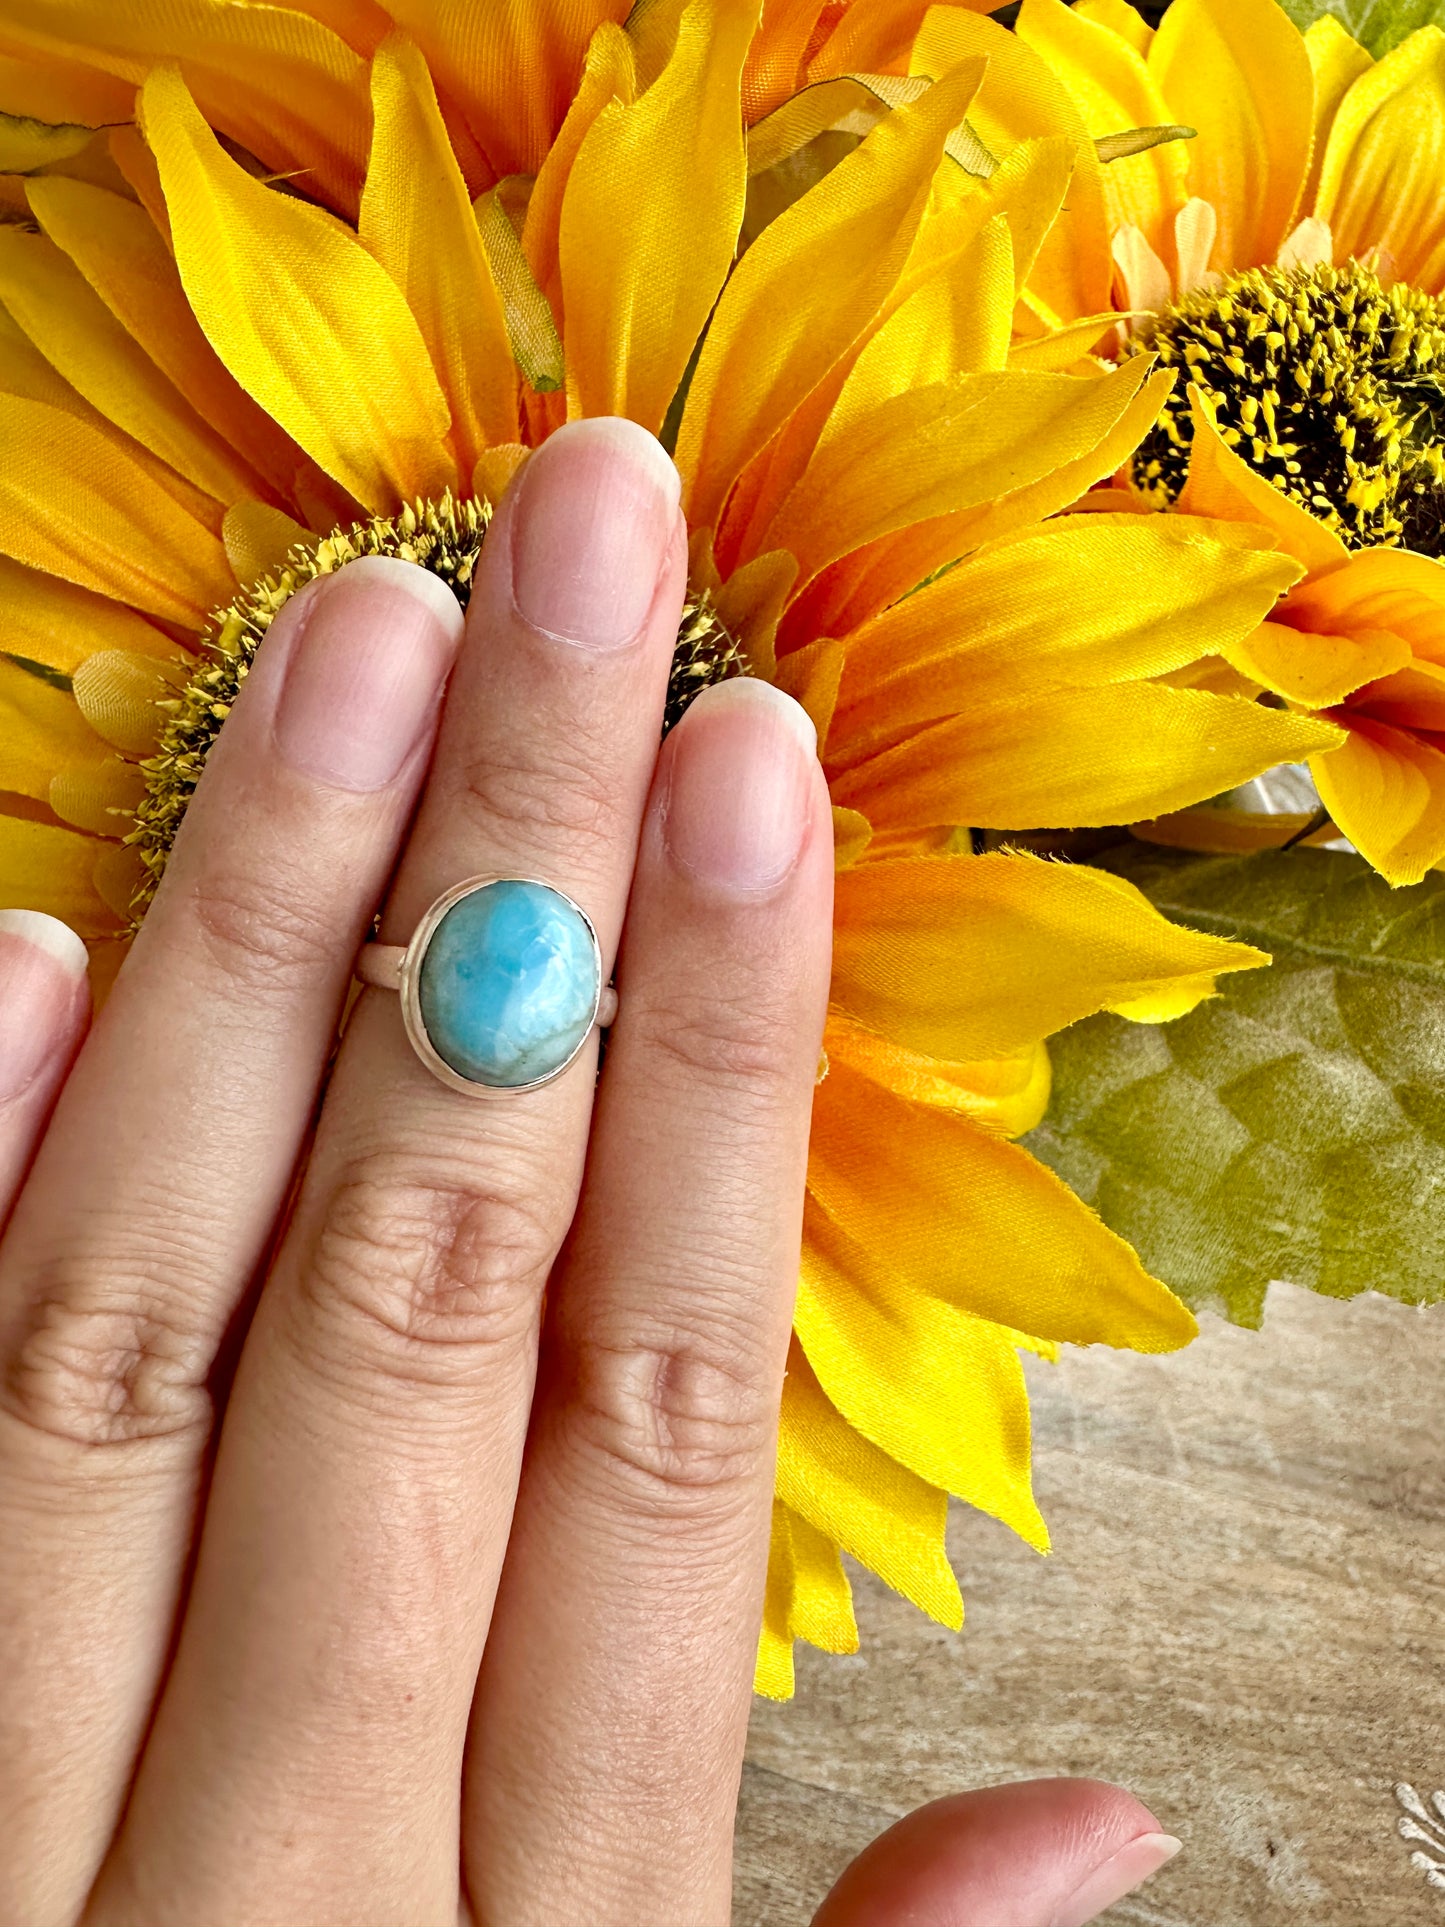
[1003, 1239]
[965, 957]
[282, 290]
[672, 161]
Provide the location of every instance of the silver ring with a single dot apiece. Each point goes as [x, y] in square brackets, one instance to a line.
[501, 984]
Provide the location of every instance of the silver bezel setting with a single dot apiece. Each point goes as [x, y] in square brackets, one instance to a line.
[409, 986]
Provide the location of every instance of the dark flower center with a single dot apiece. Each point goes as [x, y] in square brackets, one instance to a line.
[446, 537]
[1329, 385]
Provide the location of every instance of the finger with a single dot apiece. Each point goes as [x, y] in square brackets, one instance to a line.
[44, 1007]
[1042, 1853]
[612, 1706]
[156, 1190]
[368, 1465]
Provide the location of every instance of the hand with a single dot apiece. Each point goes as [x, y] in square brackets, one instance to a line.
[369, 1593]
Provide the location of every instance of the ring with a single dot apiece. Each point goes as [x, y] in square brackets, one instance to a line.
[501, 984]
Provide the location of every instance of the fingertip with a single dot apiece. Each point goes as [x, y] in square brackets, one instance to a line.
[43, 996]
[740, 789]
[1029, 1854]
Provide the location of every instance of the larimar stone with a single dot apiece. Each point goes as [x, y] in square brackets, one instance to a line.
[508, 985]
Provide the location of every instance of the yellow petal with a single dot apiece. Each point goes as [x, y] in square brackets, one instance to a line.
[118, 693]
[259, 539]
[1391, 589]
[1113, 90]
[1020, 99]
[805, 290]
[1413, 697]
[969, 957]
[46, 868]
[1059, 352]
[65, 318]
[820, 1602]
[1073, 758]
[1385, 790]
[852, 833]
[927, 458]
[1336, 61]
[1313, 667]
[1083, 600]
[300, 313]
[751, 601]
[957, 321]
[74, 505]
[100, 796]
[862, 1500]
[28, 144]
[1237, 72]
[1001, 1239]
[417, 221]
[608, 75]
[1221, 484]
[273, 79]
[61, 90]
[1006, 1095]
[1066, 434]
[811, 677]
[125, 258]
[1383, 163]
[41, 731]
[934, 1387]
[671, 163]
[57, 625]
[1120, 18]
[511, 67]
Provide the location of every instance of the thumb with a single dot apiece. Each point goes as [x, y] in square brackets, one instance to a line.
[1040, 1853]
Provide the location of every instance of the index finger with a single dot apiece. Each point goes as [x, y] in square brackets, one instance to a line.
[369, 1457]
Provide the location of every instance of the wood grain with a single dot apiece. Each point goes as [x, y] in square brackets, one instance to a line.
[1243, 1619]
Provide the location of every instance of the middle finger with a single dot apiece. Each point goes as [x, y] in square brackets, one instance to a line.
[370, 1454]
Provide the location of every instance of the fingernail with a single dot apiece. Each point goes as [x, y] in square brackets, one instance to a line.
[363, 686]
[1129, 1868]
[595, 510]
[742, 768]
[42, 962]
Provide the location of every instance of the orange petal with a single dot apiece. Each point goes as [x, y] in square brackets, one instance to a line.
[1386, 791]
[1237, 72]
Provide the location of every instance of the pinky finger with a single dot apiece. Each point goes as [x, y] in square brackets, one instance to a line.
[44, 1010]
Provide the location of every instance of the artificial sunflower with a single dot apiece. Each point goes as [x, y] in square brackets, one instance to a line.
[1288, 261]
[212, 386]
[1361, 640]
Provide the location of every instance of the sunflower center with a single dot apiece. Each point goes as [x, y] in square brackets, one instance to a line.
[445, 536]
[1327, 383]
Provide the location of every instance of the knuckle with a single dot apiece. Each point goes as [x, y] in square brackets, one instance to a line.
[417, 1261]
[106, 1364]
[257, 934]
[680, 1420]
[723, 1041]
[566, 796]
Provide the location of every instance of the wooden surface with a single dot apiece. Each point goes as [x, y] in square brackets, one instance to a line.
[1243, 1619]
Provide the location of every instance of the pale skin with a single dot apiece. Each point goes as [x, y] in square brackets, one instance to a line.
[396, 1557]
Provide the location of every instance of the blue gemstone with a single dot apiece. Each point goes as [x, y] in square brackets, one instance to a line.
[508, 985]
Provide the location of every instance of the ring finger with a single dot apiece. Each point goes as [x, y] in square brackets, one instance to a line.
[156, 1190]
[368, 1464]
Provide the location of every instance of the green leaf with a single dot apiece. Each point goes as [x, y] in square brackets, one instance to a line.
[1378, 25]
[1294, 1126]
